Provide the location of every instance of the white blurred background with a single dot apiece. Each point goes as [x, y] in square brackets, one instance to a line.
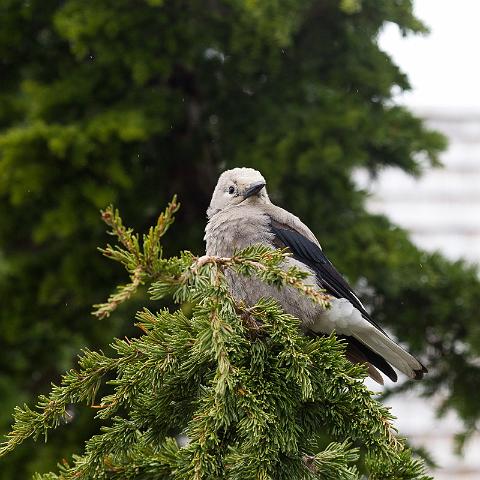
[441, 209]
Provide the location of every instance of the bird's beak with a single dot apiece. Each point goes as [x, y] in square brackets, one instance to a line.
[253, 189]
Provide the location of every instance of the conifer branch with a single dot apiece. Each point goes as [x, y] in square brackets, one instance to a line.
[52, 410]
[124, 293]
[252, 406]
[334, 462]
[265, 262]
[141, 259]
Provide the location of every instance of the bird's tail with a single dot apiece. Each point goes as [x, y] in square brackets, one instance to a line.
[391, 352]
[357, 355]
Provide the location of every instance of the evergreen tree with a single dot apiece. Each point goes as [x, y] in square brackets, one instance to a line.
[256, 398]
[128, 102]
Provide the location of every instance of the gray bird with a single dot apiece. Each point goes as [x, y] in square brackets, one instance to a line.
[241, 214]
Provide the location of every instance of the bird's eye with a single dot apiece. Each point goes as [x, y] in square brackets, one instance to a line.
[231, 190]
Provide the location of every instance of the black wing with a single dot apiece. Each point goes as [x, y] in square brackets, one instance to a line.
[307, 252]
[328, 278]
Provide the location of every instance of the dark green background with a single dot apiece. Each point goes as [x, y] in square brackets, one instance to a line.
[130, 101]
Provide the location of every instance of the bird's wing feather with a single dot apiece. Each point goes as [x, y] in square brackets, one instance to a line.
[288, 221]
[374, 343]
[310, 253]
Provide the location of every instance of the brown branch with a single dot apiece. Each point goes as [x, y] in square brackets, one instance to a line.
[310, 291]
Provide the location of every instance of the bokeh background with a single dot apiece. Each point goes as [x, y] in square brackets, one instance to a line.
[131, 101]
[441, 209]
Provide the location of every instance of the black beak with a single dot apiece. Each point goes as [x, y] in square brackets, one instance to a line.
[253, 189]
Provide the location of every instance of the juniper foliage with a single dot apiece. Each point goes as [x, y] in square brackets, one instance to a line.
[255, 398]
[124, 102]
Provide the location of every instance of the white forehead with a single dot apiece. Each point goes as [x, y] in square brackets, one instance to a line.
[241, 176]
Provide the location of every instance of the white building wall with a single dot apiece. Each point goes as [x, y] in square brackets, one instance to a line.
[441, 210]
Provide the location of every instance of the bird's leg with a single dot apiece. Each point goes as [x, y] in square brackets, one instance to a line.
[253, 325]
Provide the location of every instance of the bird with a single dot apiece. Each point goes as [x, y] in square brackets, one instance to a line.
[240, 215]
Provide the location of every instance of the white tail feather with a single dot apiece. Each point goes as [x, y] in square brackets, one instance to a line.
[389, 350]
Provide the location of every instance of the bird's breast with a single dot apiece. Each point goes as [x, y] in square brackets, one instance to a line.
[236, 229]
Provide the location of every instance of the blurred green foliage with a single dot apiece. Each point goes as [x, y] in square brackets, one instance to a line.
[131, 101]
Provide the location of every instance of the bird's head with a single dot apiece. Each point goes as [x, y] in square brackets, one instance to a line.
[237, 186]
